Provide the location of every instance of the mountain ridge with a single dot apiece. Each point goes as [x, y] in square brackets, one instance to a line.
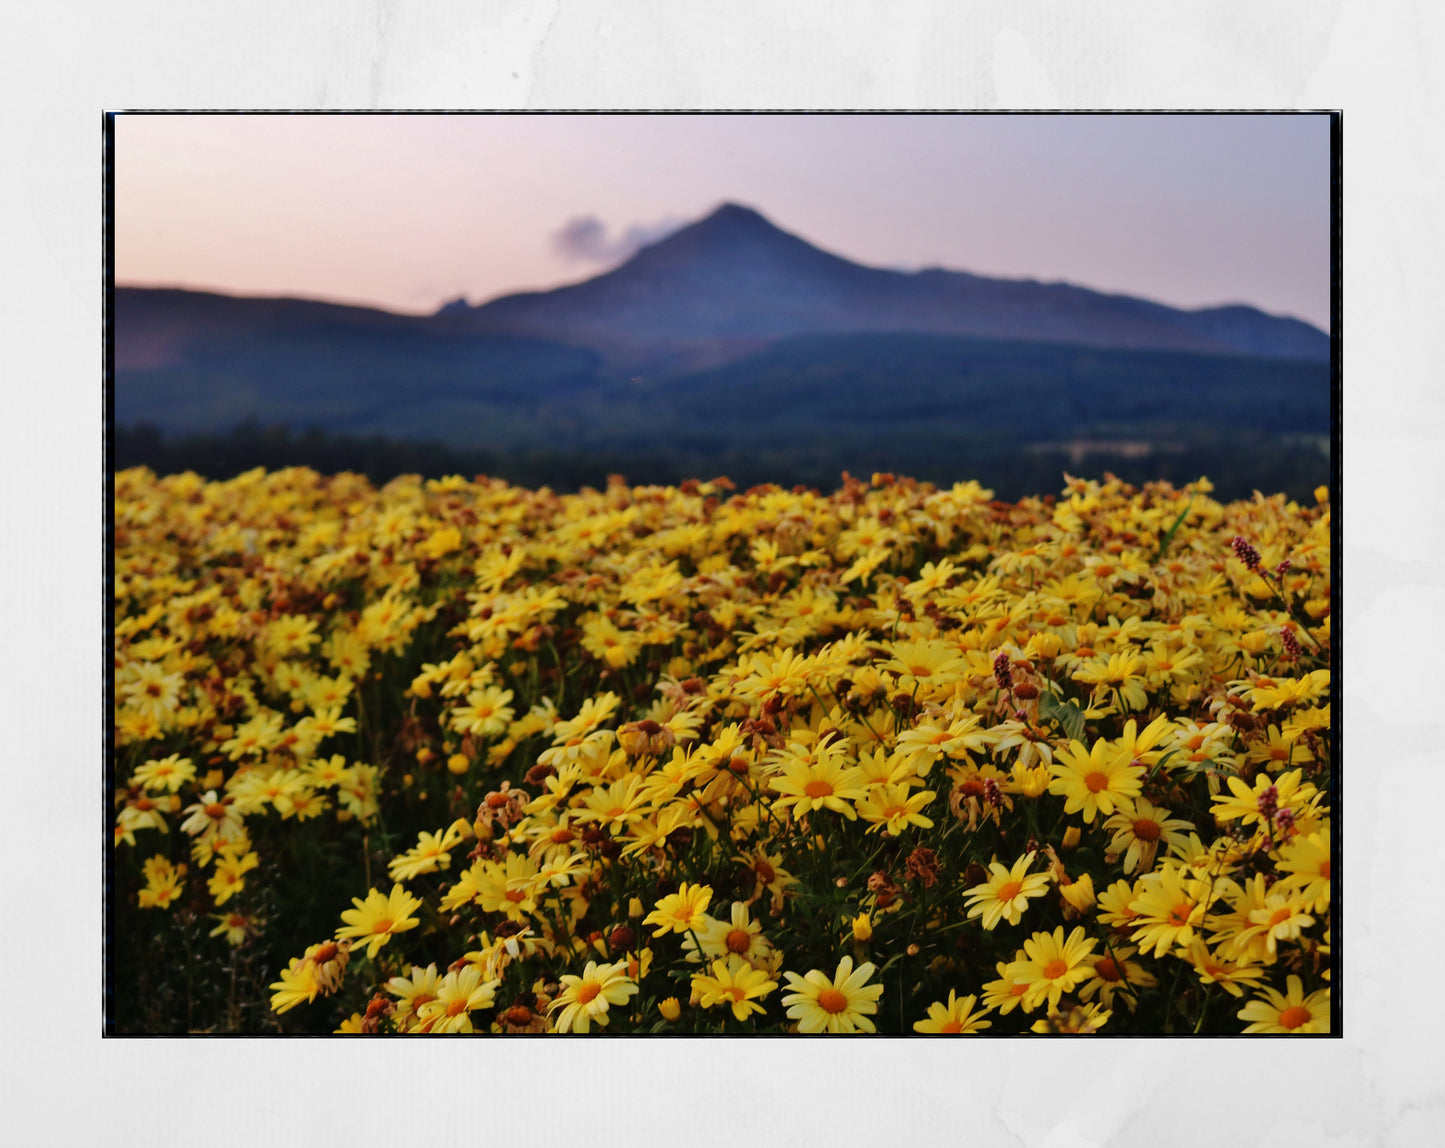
[734, 275]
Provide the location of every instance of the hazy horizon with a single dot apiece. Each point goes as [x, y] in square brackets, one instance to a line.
[405, 212]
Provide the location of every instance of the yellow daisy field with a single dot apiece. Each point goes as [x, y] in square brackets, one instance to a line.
[460, 757]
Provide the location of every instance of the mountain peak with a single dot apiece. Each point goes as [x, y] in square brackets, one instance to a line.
[738, 213]
[731, 237]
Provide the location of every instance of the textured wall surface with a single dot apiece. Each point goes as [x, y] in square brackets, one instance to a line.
[1378, 60]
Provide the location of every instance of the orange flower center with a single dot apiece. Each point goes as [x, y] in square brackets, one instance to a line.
[1097, 781]
[1279, 916]
[1018, 988]
[920, 671]
[456, 1006]
[1146, 830]
[586, 992]
[382, 926]
[738, 941]
[1055, 969]
[1294, 1016]
[1179, 915]
[1325, 870]
[1008, 890]
[818, 788]
[738, 994]
[951, 1026]
[1107, 969]
[831, 1000]
[515, 895]
[765, 872]
[561, 836]
[215, 810]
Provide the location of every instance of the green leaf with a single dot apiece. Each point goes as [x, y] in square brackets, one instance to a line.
[1169, 535]
[1069, 716]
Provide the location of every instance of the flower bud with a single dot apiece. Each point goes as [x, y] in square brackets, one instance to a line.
[1245, 552]
[621, 939]
[862, 928]
[1079, 895]
[669, 1008]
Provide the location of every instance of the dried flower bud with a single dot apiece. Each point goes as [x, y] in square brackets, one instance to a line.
[1003, 671]
[922, 866]
[517, 1016]
[379, 1005]
[1291, 644]
[621, 939]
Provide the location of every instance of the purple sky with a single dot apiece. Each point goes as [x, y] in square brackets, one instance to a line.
[405, 212]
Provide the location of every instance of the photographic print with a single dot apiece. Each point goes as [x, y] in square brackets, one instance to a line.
[722, 574]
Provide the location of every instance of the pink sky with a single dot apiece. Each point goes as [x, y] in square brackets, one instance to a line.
[406, 212]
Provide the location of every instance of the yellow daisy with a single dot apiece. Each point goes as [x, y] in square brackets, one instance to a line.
[1095, 781]
[378, 917]
[1138, 831]
[584, 1000]
[1006, 896]
[957, 1016]
[459, 994]
[1167, 909]
[681, 911]
[1053, 966]
[735, 982]
[1290, 1011]
[840, 1004]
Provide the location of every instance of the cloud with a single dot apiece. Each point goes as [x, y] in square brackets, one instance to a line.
[585, 239]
